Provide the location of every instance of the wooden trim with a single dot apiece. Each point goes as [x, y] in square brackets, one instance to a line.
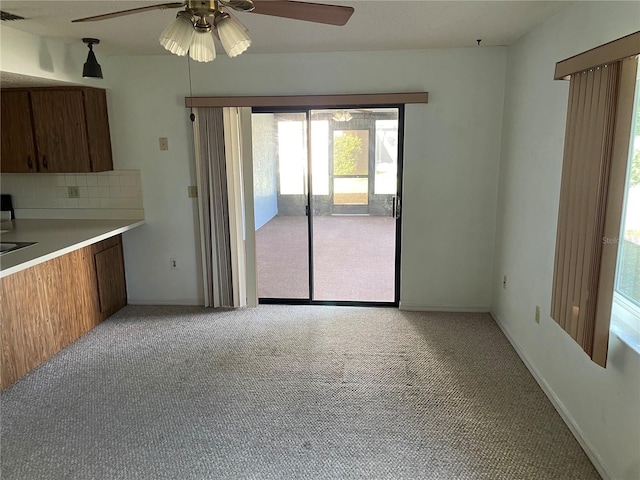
[369, 99]
[624, 47]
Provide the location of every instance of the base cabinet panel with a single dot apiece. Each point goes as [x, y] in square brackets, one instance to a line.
[112, 291]
[46, 307]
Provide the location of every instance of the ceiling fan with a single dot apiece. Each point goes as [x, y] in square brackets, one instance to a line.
[191, 31]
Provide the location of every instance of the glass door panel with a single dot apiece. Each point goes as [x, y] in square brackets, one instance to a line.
[355, 154]
[280, 199]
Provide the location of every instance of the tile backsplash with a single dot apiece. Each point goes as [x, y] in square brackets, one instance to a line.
[113, 190]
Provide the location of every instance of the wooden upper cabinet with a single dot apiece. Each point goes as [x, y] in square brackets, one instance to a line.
[18, 149]
[59, 126]
[99, 137]
[68, 127]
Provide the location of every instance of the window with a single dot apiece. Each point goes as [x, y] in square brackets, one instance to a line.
[292, 156]
[592, 192]
[625, 315]
[386, 157]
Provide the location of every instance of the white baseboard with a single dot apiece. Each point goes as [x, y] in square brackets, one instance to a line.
[558, 405]
[191, 302]
[411, 307]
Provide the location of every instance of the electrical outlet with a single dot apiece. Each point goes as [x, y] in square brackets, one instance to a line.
[192, 191]
[174, 263]
[504, 282]
[73, 192]
[538, 314]
[164, 143]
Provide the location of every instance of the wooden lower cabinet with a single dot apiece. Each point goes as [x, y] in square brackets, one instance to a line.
[46, 307]
[109, 267]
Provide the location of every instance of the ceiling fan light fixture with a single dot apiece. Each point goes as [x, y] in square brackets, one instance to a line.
[178, 36]
[202, 48]
[185, 33]
[92, 68]
[233, 36]
[342, 116]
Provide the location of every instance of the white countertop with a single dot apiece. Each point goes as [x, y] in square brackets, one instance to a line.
[55, 238]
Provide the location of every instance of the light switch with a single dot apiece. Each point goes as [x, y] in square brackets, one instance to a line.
[164, 143]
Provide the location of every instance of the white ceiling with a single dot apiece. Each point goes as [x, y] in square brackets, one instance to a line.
[375, 25]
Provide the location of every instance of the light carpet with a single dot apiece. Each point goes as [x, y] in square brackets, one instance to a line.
[283, 392]
[354, 258]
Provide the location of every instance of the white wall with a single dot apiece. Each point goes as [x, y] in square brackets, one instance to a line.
[603, 405]
[36, 56]
[452, 148]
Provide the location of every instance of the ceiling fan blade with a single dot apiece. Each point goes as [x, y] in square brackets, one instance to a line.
[239, 5]
[122, 13]
[310, 12]
[237, 21]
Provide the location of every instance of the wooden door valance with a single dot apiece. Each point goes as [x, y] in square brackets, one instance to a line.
[325, 101]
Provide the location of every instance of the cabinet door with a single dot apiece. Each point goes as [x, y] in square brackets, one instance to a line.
[18, 151]
[112, 290]
[95, 102]
[60, 129]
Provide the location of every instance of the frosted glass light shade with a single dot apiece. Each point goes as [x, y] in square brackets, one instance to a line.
[342, 116]
[202, 48]
[233, 37]
[178, 35]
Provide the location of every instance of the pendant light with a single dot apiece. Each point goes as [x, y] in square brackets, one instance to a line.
[92, 68]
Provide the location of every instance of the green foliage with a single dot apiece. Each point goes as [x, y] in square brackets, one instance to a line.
[635, 170]
[346, 148]
[628, 278]
[637, 107]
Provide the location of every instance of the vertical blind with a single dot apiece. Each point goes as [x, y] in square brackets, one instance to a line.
[587, 159]
[213, 207]
[235, 203]
[218, 152]
[591, 194]
[597, 138]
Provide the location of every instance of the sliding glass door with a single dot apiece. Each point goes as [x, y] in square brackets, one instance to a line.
[327, 204]
[280, 189]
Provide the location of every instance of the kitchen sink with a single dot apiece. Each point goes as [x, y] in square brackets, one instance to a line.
[12, 247]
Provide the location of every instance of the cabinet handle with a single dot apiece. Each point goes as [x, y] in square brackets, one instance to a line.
[29, 162]
[44, 162]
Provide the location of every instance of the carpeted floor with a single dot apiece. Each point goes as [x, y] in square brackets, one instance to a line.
[354, 258]
[286, 392]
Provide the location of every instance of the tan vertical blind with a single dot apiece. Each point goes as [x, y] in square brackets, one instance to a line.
[591, 115]
[588, 193]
